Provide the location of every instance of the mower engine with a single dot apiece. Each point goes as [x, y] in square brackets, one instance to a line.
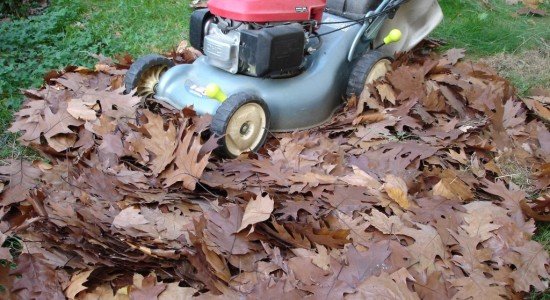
[260, 38]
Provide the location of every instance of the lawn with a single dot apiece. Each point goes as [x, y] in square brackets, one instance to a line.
[518, 46]
[67, 32]
[490, 27]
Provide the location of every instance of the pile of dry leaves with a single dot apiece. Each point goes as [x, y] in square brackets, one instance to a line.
[427, 186]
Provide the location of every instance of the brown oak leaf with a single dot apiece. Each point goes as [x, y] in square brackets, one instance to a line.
[477, 286]
[397, 190]
[161, 142]
[149, 289]
[531, 261]
[256, 211]
[383, 287]
[188, 163]
[36, 279]
[22, 176]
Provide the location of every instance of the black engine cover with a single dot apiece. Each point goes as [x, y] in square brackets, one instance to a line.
[273, 51]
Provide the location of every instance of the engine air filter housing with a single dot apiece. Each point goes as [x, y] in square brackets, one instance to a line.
[272, 52]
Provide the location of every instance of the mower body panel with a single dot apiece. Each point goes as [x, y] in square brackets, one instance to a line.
[310, 98]
[298, 102]
[264, 11]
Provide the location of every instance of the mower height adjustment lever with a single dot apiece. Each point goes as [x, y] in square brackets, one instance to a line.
[393, 37]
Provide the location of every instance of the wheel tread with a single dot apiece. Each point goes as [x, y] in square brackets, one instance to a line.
[224, 113]
[140, 66]
[361, 70]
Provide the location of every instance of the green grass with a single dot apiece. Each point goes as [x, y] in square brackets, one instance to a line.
[491, 27]
[543, 235]
[493, 31]
[68, 32]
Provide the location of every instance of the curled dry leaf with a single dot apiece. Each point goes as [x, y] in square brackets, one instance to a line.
[174, 291]
[452, 187]
[81, 110]
[397, 190]
[452, 56]
[256, 211]
[386, 92]
[322, 260]
[361, 178]
[540, 106]
[129, 217]
[533, 214]
[77, 284]
[149, 289]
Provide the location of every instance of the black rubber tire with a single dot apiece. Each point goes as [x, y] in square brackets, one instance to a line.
[140, 66]
[224, 114]
[361, 70]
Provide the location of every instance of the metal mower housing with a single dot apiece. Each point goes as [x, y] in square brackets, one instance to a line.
[310, 98]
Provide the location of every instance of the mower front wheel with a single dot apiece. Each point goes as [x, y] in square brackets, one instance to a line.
[144, 74]
[242, 123]
[370, 67]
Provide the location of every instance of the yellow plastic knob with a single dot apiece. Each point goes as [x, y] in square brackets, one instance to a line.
[394, 36]
[215, 92]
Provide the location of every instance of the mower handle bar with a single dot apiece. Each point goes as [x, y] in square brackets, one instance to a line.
[380, 15]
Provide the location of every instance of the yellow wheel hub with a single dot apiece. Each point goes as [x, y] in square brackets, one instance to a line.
[379, 69]
[246, 129]
[149, 80]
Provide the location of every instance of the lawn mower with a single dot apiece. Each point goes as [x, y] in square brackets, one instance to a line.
[281, 65]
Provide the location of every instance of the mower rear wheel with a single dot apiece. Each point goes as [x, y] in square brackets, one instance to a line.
[242, 123]
[144, 74]
[370, 67]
